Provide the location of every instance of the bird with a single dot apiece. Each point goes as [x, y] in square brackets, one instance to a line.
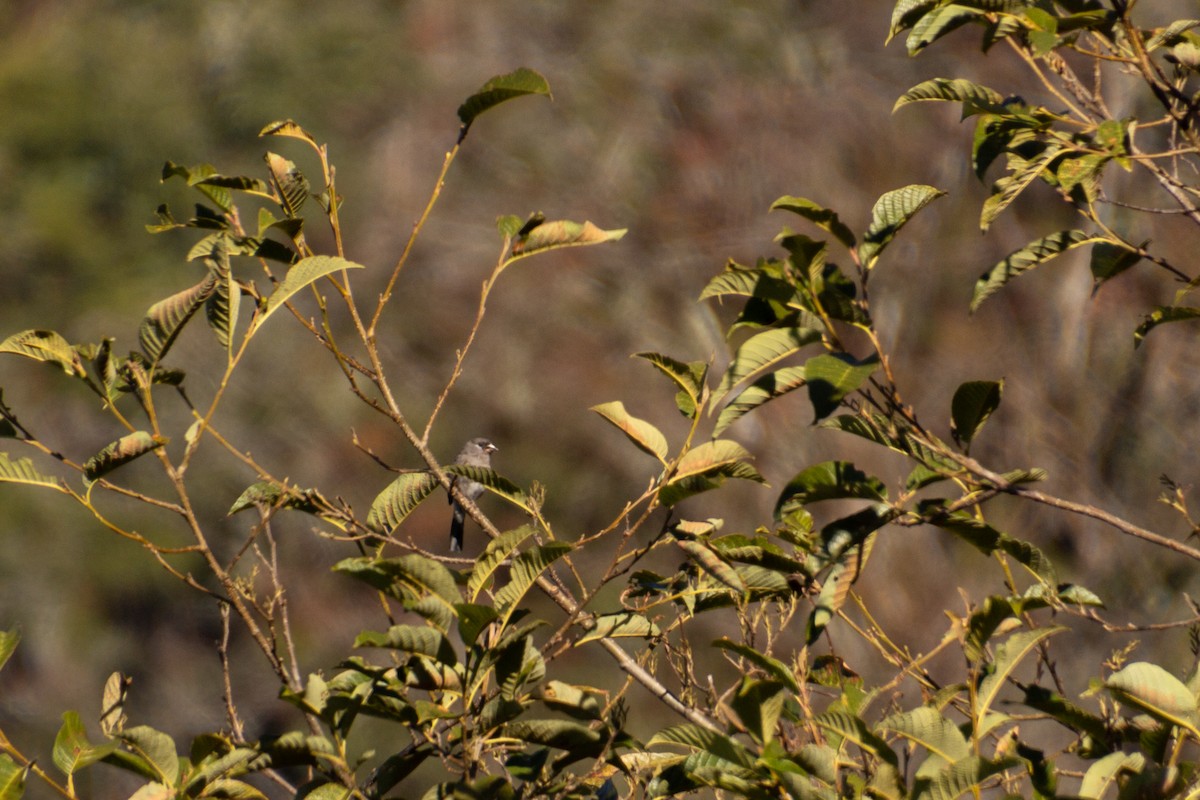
[475, 453]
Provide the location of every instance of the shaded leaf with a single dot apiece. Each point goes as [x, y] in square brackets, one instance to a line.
[156, 750]
[166, 318]
[1110, 259]
[830, 377]
[712, 563]
[772, 666]
[120, 452]
[697, 738]
[829, 480]
[645, 436]
[824, 218]
[8, 644]
[1008, 656]
[500, 89]
[973, 403]
[1008, 188]
[290, 184]
[1031, 255]
[936, 24]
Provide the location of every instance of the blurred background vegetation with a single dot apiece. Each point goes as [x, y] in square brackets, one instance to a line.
[681, 122]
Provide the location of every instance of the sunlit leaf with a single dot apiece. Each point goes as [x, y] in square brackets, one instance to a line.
[927, 727]
[499, 89]
[112, 704]
[772, 666]
[697, 738]
[416, 639]
[1006, 190]
[619, 625]
[906, 13]
[72, 750]
[288, 128]
[493, 557]
[1008, 656]
[645, 436]
[1161, 316]
[304, 272]
[562, 233]
[391, 506]
[762, 351]
[45, 346]
[830, 480]
[936, 24]
[770, 386]
[892, 212]
[23, 471]
[1031, 255]
[688, 377]
[712, 563]
[120, 452]
[974, 97]
[524, 571]
[1157, 692]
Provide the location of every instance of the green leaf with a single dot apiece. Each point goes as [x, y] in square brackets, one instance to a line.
[304, 272]
[1008, 657]
[773, 385]
[500, 89]
[988, 540]
[1157, 692]
[575, 701]
[1161, 316]
[72, 750]
[829, 480]
[23, 471]
[112, 704]
[1008, 188]
[906, 13]
[524, 571]
[759, 704]
[221, 307]
[269, 494]
[1110, 772]
[291, 187]
[1110, 259]
[927, 727]
[712, 563]
[493, 557]
[416, 639]
[8, 644]
[1031, 255]
[45, 346]
[645, 436]
[288, 128]
[411, 579]
[937, 24]
[891, 212]
[695, 737]
[761, 351]
[965, 776]
[688, 377]
[122, 451]
[853, 728]
[973, 403]
[581, 740]
[824, 218]
[831, 377]
[166, 318]
[561, 233]
[704, 467]
[974, 97]
[619, 625]
[155, 749]
[772, 666]
[492, 481]
[12, 778]
[391, 506]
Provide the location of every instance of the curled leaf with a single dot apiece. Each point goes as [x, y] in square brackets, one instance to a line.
[500, 89]
[647, 437]
[120, 452]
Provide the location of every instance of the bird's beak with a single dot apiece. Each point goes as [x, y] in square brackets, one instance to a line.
[491, 448]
